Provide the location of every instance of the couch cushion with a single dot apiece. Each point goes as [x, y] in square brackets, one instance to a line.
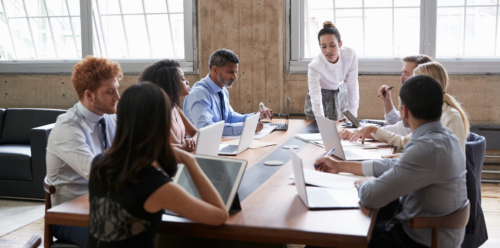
[1, 120]
[18, 122]
[15, 162]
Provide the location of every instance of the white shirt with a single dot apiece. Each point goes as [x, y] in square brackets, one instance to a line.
[73, 143]
[325, 75]
[397, 128]
[450, 118]
[393, 116]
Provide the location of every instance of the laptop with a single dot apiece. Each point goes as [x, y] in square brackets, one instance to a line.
[209, 138]
[331, 140]
[224, 173]
[245, 138]
[360, 123]
[283, 126]
[321, 198]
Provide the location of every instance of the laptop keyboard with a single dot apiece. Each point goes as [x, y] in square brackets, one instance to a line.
[229, 149]
[350, 155]
[320, 198]
[280, 125]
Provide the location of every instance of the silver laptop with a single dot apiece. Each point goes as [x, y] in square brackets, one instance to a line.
[209, 138]
[331, 140]
[283, 126]
[321, 198]
[245, 138]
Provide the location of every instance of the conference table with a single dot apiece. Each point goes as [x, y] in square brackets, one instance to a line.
[272, 212]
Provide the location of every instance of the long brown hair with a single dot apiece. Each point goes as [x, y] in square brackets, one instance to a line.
[437, 71]
[142, 137]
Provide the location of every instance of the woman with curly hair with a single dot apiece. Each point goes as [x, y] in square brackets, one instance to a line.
[170, 77]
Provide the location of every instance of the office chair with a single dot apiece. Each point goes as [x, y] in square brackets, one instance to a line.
[457, 219]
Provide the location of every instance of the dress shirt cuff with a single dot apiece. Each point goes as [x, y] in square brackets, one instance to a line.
[234, 129]
[367, 167]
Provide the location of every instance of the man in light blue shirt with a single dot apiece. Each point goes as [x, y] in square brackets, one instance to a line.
[208, 99]
[428, 179]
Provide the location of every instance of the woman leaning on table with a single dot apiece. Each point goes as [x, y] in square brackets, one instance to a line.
[332, 78]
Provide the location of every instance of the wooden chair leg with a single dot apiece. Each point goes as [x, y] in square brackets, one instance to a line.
[47, 240]
[434, 238]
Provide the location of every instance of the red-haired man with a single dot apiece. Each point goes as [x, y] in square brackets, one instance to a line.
[86, 130]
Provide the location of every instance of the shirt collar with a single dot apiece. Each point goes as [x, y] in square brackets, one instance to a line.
[330, 65]
[213, 86]
[87, 114]
[426, 127]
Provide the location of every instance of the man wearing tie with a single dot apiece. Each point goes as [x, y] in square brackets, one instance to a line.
[208, 99]
[86, 130]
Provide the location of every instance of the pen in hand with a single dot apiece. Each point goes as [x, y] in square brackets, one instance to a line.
[383, 93]
[327, 155]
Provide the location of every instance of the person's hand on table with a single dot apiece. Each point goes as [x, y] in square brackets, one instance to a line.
[266, 114]
[358, 183]
[363, 133]
[343, 120]
[345, 134]
[188, 145]
[259, 128]
[397, 155]
[384, 88]
[327, 164]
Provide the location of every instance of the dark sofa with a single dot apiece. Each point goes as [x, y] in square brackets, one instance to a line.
[23, 142]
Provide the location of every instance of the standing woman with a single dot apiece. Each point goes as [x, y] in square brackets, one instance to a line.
[332, 78]
[170, 77]
[130, 185]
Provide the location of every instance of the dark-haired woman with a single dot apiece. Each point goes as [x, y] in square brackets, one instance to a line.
[332, 78]
[129, 186]
[170, 77]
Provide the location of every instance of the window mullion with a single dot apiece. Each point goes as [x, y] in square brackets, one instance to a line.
[170, 26]
[86, 27]
[147, 28]
[10, 32]
[71, 25]
[29, 26]
[96, 38]
[428, 24]
[50, 27]
[364, 46]
[306, 14]
[393, 52]
[124, 28]
[465, 28]
[334, 13]
[496, 28]
[102, 30]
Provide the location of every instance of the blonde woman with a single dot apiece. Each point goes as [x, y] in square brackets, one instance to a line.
[453, 116]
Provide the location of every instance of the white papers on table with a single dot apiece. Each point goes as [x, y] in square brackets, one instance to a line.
[329, 180]
[255, 143]
[309, 137]
[264, 132]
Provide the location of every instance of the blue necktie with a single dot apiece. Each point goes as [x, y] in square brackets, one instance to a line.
[104, 140]
[221, 96]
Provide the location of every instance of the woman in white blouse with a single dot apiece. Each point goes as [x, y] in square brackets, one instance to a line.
[334, 69]
[453, 116]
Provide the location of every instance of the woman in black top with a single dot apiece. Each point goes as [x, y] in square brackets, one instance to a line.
[129, 186]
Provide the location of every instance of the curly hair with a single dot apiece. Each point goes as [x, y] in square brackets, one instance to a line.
[90, 71]
[165, 74]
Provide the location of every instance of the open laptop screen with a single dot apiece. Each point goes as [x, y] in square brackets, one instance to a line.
[225, 174]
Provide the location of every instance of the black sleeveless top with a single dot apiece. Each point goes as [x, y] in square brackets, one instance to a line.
[119, 219]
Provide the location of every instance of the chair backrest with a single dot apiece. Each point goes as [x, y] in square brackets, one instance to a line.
[2, 111]
[49, 190]
[457, 219]
[18, 122]
[475, 149]
[34, 242]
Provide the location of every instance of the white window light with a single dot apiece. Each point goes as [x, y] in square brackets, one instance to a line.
[50, 36]
[461, 34]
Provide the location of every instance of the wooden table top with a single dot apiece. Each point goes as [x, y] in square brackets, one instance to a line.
[272, 213]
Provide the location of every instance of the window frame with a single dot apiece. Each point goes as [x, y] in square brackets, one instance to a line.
[388, 65]
[129, 66]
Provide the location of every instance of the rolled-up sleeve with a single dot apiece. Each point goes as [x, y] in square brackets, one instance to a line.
[393, 116]
[315, 92]
[353, 86]
[399, 177]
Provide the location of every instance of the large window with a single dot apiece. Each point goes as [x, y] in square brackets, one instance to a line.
[464, 35]
[51, 35]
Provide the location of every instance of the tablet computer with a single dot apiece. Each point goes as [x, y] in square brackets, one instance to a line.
[224, 173]
[353, 120]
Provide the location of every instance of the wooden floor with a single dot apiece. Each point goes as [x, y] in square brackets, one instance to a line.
[491, 208]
